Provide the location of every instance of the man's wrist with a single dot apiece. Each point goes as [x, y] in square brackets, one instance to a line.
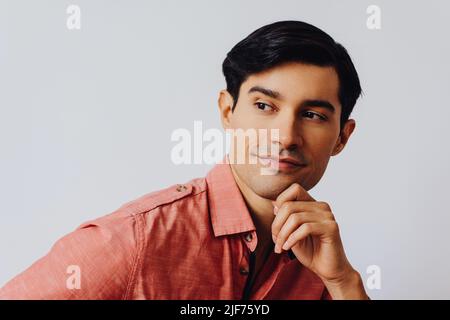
[349, 288]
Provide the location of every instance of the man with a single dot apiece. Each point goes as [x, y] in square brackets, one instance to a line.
[236, 234]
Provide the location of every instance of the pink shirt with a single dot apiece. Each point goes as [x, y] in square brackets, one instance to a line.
[188, 241]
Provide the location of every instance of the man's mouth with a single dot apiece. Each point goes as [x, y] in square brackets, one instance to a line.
[282, 163]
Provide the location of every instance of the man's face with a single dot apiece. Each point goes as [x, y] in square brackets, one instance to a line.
[300, 100]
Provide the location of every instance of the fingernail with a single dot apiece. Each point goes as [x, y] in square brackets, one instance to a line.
[277, 249]
[275, 210]
[285, 246]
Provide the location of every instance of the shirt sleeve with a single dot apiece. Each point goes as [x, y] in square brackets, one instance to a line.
[96, 261]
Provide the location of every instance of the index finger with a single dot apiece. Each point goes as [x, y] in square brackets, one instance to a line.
[294, 192]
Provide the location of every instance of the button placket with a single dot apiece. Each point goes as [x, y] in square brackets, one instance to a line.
[242, 268]
[244, 264]
[251, 240]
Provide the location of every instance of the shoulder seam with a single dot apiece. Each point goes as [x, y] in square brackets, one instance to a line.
[142, 211]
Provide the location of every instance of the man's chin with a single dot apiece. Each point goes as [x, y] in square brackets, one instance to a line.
[269, 187]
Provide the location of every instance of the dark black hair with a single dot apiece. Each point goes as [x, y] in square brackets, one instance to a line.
[291, 41]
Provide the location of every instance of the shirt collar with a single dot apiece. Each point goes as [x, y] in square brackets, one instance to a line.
[229, 213]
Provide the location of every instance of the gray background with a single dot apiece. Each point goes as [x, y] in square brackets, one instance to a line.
[87, 115]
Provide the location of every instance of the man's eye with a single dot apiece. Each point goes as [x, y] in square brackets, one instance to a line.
[313, 115]
[263, 106]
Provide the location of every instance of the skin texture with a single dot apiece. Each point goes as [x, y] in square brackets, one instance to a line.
[282, 210]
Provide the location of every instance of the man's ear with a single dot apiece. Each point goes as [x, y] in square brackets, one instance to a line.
[344, 135]
[225, 103]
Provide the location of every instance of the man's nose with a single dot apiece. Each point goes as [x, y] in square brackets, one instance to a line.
[289, 131]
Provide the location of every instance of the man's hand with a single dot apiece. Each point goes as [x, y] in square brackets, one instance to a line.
[308, 228]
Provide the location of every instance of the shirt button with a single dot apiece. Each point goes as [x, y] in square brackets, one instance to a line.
[248, 237]
[243, 271]
[181, 188]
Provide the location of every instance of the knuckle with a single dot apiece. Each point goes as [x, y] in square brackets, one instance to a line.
[324, 205]
[330, 216]
[307, 227]
[288, 206]
[334, 227]
[296, 186]
[293, 219]
[298, 215]
[301, 216]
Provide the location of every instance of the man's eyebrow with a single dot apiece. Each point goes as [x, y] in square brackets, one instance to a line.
[318, 103]
[307, 103]
[268, 92]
